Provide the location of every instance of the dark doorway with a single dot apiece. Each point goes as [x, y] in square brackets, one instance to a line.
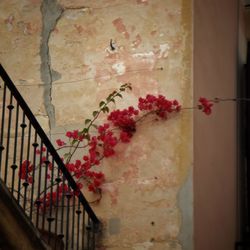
[244, 157]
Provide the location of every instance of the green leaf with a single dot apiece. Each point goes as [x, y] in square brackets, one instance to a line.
[95, 113]
[118, 94]
[66, 155]
[109, 97]
[85, 131]
[105, 109]
[74, 141]
[112, 100]
[101, 104]
[122, 89]
[95, 126]
[87, 121]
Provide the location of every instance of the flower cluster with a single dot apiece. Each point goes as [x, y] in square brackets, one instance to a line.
[52, 198]
[159, 104]
[119, 126]
[75, 135]
[205, 105]
[25, 171]
[124, 119]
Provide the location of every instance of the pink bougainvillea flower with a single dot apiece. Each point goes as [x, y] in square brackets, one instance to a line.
[125, 137]
[38, 151]
[25, 170]
[91, 187]
[69, 134]
[98, 175]
[124, 119]
[75, 135]
[159, 104]
[30, 179]
[60, 143]
[205, 105]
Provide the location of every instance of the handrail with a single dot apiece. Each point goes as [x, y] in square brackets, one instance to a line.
[44, 140]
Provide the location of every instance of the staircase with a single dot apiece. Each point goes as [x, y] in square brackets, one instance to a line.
[40, 204]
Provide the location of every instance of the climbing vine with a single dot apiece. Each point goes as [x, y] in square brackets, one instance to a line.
[96, 141]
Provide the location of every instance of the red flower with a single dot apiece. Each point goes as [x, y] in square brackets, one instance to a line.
[75, 135]
[38, 151]
[124, 119]
[91, 188]
[60, 143]
[159, 104]
[205, 105]
[69, 134]
[25, 170]
[85, 158]
[98, 175]
[125, 137]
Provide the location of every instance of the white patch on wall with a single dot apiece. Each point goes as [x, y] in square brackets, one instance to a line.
[146, 55]
[164, 48]
[145, 182]
[119, 67]
[74, 15]
[143, 246]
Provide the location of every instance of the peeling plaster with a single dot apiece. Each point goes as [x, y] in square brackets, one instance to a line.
[164, 48]
[120, 27]
[51, 13]
[119, 67]
[143, 246]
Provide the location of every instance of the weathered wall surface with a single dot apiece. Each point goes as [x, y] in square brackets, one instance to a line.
[59, 55]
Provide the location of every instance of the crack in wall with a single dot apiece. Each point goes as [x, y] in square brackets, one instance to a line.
[51, 12]
[77, 8]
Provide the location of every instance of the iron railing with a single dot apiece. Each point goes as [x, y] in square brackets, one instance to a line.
[27, 157]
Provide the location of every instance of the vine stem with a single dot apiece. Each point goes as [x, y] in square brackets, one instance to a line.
[115, 94]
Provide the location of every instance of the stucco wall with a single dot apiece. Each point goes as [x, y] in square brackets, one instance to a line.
[215, 172]
[59, 56]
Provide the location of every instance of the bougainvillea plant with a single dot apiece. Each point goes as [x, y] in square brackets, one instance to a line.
[95, 141]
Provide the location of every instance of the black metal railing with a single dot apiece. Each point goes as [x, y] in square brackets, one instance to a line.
[38, 179]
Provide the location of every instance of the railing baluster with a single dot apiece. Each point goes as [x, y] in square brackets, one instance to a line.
[10, 108]
[73, 222]
[78, 212]
[38, 199]
[2, 126]
[83, 229]
[50, 219]
[35, 145]
[14, 165]
[28, 165]
[46, 162]
[62, 210]
[58, 180]
[68, 196]
[23, 126]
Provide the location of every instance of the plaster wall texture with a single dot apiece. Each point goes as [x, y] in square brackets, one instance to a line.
[59, 55]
